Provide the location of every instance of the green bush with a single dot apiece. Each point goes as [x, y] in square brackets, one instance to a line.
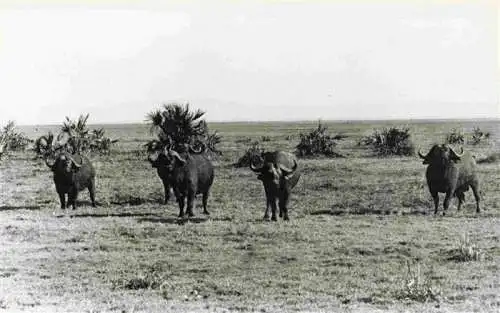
[176, 126]
[318, 142]
[390, 141]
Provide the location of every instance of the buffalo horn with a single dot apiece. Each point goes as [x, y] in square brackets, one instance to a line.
[74, 162]
[421, 155]
[458, 155]
[256, 168]
[287, 171]
[192, 149]
[177, 156]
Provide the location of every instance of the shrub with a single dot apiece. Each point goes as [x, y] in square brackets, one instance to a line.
[478, 136]
[177, 126]
[265, 138]
[100, 143]
[455, 136]
[74, 137]
[318, 142]
[12, 140]
[254, 150]
[390, 141]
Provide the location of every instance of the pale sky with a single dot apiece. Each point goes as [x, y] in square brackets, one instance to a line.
[249, 60]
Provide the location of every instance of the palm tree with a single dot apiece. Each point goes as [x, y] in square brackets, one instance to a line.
[176, 125]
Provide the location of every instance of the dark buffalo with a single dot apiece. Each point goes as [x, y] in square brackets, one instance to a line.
[72, 174]
[278, 173]
[451, 173]
[159, 160]
[188, 174]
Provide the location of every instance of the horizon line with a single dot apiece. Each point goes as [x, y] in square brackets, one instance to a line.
[422, 119]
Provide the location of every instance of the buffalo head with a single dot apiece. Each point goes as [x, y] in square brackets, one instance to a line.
[168, 158]
[272, 172]
[441, 155]
[64, 162]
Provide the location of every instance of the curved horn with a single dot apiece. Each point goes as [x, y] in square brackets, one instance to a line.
[287, 171]
[254, 168]
[458, 155]
[61, 141]
[421, 155]
[74, 162]
[177, 156]
[200, 150]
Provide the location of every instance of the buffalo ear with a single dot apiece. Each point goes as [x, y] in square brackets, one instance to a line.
[51, 163]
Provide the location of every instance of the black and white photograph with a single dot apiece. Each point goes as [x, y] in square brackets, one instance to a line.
[250, 156]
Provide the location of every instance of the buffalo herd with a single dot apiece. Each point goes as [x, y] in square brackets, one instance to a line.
[190, 172]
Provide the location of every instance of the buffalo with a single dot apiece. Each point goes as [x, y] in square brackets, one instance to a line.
[72, 174]
[159, 160]
[278, 172]
[187, 173]
[451, 173]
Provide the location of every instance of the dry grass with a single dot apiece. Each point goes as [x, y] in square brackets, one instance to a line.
[361, 237]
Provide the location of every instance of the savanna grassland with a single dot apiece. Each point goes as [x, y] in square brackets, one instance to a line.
[362, 236]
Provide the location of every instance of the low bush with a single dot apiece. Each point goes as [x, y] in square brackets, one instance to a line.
[318, 142]
[390, 141]
[455, 137]
[11, 140]
[479, 136]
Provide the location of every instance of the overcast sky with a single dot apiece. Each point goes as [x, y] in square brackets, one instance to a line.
[258, 60]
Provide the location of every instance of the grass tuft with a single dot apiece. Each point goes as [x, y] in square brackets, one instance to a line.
[416, 286]
[467, 251]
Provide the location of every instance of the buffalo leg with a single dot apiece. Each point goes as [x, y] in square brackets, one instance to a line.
[180, 201]
[273, 210]
[435, 197]
[461, 199]
[190, 204]
[92, 193]
[283, 203]
[62, 199]
[446, 202]
[475, 191]
[268, 205]
[72, 195]
[268, 202]
[205, 201]
[166, 188]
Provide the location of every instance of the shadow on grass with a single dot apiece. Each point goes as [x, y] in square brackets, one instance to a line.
[133, 201]
[100, 215]
[181, 221]
[364, 211]
[14, 208]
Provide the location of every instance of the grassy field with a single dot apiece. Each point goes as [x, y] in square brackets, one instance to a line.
[362, 236]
